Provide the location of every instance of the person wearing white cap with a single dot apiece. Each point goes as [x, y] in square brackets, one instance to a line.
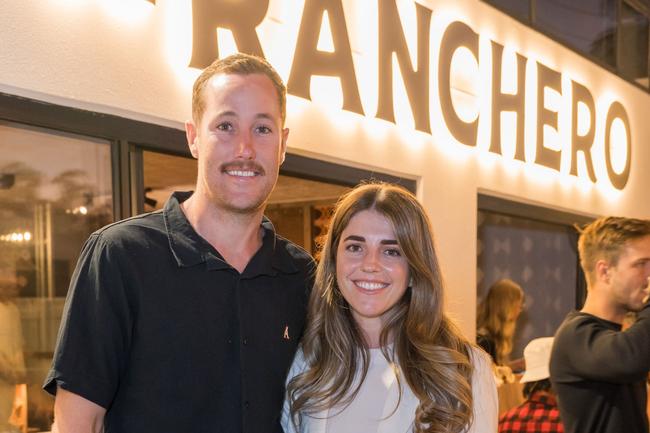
[539, 413]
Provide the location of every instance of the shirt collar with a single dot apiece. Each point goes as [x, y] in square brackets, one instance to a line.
[189, 248]
[543, 397]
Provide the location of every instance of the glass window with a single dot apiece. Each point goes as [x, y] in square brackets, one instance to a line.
[588, 26]
[541, 257]
[55, 190]
[612, 32]
[299, 208]
[633, 55]
[517, 8]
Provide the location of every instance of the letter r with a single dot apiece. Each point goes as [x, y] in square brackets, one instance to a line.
[240, 17]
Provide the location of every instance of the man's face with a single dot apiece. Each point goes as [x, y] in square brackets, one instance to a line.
[239, 142]
[628, 280]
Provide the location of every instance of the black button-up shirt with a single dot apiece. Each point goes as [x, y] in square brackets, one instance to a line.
[162, 332]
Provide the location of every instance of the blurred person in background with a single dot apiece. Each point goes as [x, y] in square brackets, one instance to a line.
[12, 363]
[497, 321]
[539, 413]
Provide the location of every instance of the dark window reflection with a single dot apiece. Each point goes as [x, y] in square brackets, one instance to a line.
[55, 189]
[588, 25]
[612, 32]
[634, 42]
[518, 8]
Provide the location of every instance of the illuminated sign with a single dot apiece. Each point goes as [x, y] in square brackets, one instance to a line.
[584, 147]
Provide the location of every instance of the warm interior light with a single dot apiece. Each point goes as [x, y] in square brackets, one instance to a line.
[15, 237]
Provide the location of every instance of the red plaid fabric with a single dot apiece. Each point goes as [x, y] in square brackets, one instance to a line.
[538, 414]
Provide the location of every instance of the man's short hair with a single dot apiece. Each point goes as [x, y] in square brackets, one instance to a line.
[605, 238]
[238, 64]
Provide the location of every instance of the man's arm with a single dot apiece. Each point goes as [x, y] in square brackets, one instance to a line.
[605, 355]
[75, 414]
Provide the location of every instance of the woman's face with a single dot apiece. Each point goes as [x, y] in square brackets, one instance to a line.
[371, 271]
[517, 308]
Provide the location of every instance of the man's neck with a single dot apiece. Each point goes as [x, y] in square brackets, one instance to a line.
[237, 236]
[598, 305]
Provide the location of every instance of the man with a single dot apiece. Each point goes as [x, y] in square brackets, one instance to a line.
[539, 413]
[187, 319]
[599, 371]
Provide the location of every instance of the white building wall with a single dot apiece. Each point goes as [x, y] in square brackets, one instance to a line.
[129, 58]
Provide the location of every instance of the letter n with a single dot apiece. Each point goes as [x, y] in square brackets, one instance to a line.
[416, 81]
[456, 35]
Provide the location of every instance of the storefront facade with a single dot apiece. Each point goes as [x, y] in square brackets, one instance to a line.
[457, 100]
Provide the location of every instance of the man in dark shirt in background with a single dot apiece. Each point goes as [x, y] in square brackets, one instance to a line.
[599, 371]
[187, 319]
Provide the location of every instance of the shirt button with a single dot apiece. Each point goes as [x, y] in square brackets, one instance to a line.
[245, 341]
[246, 404]
[230, 341]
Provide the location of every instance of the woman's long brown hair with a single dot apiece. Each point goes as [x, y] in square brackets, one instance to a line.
[432, 355]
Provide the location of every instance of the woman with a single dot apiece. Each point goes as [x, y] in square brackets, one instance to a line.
[497, 319]
[378, 353]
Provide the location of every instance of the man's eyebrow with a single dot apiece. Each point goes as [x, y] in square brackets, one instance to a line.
[230, 113]
[226, 113]
[264, 116]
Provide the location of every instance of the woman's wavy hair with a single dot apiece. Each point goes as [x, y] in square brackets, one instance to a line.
[496, 318]
[432, 355]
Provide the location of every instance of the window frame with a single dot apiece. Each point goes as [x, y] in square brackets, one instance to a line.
[129, 137]
[495, 204]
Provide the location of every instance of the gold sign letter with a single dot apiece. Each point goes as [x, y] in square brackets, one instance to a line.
[616, 111]
[240, 17]
[582, 143]
[546, 77]
[507, 102]
[416, 81]
[456, 35]
[308, 60]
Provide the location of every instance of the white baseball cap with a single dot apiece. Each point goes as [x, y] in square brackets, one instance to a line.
[537, 355]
